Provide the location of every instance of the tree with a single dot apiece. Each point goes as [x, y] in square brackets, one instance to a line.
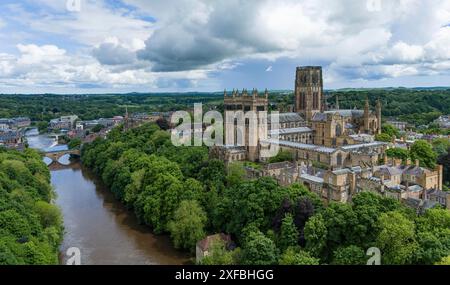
[187, 226]
[390, 130]
[316, 235]
[282, 156]
[423, 151]
[383, 138]
[294, 256]
[350, 255]
[50, 214]
[236, 174]
[288, 234]
[441, 146]
[396, 239]
[163, 124]
[398, 153]
[97, 128]
[259, 250]
[444, 261]
[218, 254]
[74, 143]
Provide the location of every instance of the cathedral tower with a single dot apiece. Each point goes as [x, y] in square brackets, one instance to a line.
[309, 91]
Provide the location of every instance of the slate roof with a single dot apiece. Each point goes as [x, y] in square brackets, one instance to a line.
[438, 193]
[391, 171]
[300, 145]
[319, 117]
[291, 131]
[414, 170]
[311, 178]
[287, 118]
[364, 145]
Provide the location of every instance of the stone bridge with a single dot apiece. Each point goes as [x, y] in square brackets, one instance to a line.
[56, 155]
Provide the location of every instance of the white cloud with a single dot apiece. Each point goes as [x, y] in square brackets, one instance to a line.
[202, 33]
[200, 37]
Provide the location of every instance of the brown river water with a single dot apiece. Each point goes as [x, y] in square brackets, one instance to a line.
[104, 231]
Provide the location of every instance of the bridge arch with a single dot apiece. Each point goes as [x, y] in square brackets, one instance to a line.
[56, 155]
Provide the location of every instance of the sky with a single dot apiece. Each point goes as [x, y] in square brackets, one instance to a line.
[106, 46]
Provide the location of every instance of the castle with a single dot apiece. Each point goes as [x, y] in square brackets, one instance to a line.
[334, 151]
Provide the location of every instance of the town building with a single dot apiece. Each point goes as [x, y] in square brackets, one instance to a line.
[402, 126]
[203, 247]
[14, 123]
[443, 122]
[11, 138]
[63, 123]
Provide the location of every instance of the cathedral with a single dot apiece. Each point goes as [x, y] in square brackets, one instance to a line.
[334, 152]
[337, 138]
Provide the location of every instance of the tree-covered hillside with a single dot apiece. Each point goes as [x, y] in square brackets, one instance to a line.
[30, 226]
[417, 106]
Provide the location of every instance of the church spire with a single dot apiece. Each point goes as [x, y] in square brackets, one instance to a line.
[337, 102]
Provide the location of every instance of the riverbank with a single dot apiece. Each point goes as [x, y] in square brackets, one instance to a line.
[100, 226]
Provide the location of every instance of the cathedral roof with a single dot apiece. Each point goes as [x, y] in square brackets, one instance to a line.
[288, 117]
[319, 117]
[291, 131]
[302, 146]
[347, 113]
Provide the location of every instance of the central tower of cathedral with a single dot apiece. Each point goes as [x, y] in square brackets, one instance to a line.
[309, 97]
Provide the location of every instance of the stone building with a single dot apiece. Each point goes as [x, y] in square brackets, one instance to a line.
[334, 152]
[309, 98]
[235, 107]
[312, 133]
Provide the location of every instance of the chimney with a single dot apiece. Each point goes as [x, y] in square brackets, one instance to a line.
[408, 162]
[382, 179]
[417, 163]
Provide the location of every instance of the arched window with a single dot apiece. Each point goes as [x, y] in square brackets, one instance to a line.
[339, 159]
[338, 130]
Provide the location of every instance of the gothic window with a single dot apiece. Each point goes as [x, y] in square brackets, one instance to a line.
[339, 159]
[303, 100]
[338, 130]
[315, 78]
[316, 100]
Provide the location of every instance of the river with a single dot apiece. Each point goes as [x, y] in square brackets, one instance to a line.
[96, 223]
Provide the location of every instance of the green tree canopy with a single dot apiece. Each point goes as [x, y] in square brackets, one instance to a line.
[423, 151]
[259, 250]
[187, 226]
